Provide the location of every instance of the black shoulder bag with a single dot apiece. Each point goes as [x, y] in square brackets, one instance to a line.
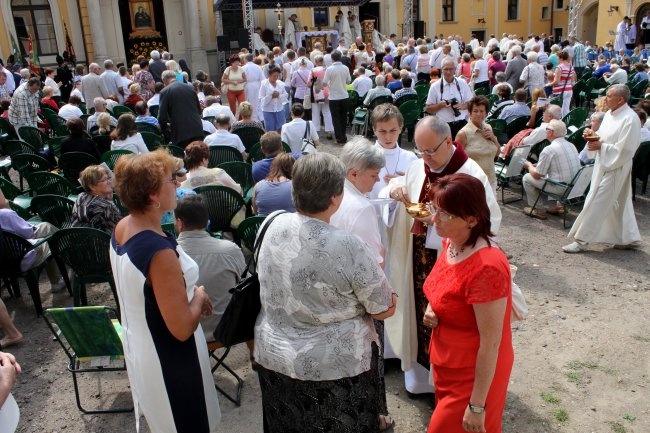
[238, 321]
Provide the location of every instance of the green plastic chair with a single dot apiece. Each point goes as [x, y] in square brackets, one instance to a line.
[423, 94]
[57, 124]
[90, 264]
[54, 144]
[118, 110]
[15, 194]
[247, 231]
[241, 172]
[102, 143]
[176, 151]
[123, 210]
[14, 147]
[91, 338]
[223, 203]
[577, 139]
[111, 157]
[33, 136]
[147, 127]
[73, 163]
[411, 113]
[44, 182]
[169, 228]
[25, 163]
[575, 117]
[54, 209]
[249, 135]
[152, 140]
[353, 103]
[221, 154]
[641, 168]
[499, 128]
[13, 249]
[402, 99]
[255, 153]
[571, 193]
[516, 125]
[8, 128]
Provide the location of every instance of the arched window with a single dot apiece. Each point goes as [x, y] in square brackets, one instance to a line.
[34, 18]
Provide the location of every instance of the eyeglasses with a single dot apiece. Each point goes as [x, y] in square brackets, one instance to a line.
[429, 152]
[174, 179]
[444, 216]
[106, 179]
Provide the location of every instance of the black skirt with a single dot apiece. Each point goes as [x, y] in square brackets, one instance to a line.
[347, 405]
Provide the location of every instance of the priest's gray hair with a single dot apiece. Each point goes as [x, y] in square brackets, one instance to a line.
[439, 127]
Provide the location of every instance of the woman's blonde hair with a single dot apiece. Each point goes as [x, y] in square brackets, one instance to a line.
[172, 65]
[246, 109]
[134, 88]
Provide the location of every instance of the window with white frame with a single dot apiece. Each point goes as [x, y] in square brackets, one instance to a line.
[34, 18]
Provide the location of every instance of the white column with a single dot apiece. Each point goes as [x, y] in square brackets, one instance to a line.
[97, 28]
[197, 56]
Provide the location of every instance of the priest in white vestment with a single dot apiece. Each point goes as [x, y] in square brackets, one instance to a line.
[345, 32]
[254, 78]
[621, 35]
[258, 43]
[406, 236]
[290, 31]
[608, 213]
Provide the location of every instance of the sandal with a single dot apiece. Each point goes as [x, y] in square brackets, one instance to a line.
[386, 422]
[535, 213]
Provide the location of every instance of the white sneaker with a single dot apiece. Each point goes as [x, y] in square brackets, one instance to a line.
[575, 247]
[59, 286]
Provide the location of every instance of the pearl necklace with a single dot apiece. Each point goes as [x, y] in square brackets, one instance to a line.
[452, 253]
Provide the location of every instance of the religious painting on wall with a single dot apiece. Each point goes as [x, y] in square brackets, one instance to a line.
[143, 23]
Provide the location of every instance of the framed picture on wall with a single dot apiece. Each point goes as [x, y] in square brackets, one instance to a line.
[143, 22]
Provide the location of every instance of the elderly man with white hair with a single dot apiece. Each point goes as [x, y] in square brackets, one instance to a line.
[378, 90]
[559, 161]
[608, 214]
[92, 85]
[617, 76]
[99, 104]
[113, 81]
[157, 66]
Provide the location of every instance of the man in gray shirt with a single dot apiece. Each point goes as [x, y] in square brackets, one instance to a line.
[113, 81]
[221, 262]
[337, 77]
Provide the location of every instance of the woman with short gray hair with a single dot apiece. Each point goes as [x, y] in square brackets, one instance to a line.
[320, 288]
[363, 162]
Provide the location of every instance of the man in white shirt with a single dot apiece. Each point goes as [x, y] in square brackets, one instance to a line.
[436, 56]
[223, 137]
[71, 109]
[337, 77]
[100, 107]
[617, 76]
[113, 81]
[294, 131]
[448, 99]
[361, 83]
[214, 108]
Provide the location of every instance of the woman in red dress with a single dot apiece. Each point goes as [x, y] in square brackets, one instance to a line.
[469, 294]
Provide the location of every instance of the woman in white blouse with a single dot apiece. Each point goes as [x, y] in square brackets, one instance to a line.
[320, 288]
[273, 96]
[126, 135]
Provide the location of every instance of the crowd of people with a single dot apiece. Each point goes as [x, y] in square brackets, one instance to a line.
[349, 276]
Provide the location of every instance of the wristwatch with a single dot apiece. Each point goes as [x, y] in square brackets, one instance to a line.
[476, 409]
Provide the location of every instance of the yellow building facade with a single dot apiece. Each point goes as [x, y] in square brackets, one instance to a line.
[101, 29]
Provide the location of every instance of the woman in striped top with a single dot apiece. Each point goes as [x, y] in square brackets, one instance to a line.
[565, 76]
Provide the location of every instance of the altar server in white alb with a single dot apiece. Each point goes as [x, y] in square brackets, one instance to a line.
[608, 214]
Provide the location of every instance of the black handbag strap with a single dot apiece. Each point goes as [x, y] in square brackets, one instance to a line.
[306, 135]
[258, 244]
